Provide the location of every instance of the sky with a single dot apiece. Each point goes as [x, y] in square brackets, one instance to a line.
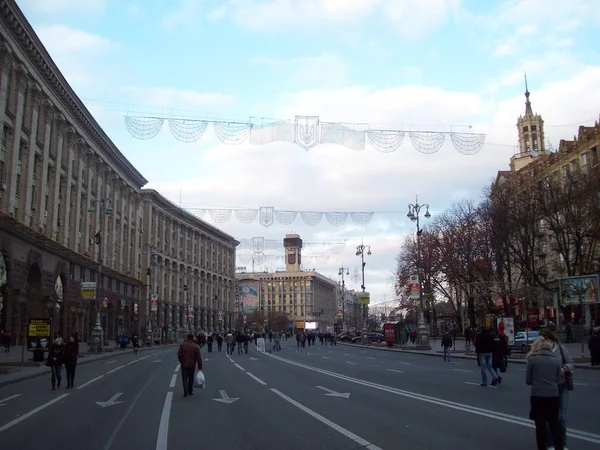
[415, 65]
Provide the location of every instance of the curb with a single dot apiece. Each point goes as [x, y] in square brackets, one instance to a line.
[417, 352]
[80, 362]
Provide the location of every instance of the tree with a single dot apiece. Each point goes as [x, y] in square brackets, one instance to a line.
[278, 321]
[255, 319]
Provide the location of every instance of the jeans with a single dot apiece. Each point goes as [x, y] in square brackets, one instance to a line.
[447, 354]
[56, 373]
[70, 367]
[485, 364]
[562, 416]
[187, 375]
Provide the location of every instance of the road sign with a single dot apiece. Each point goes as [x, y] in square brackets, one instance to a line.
[88, 290]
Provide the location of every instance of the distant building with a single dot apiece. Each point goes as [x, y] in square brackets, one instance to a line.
[307, 298]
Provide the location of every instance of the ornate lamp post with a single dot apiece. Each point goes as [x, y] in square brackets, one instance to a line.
[341, 272]
[414, 211]
[360, 251]
[98, 332]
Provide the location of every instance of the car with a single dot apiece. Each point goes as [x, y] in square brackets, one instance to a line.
[372, 336]
[523, 340]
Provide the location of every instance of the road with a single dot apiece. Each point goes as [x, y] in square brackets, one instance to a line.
[329, 398]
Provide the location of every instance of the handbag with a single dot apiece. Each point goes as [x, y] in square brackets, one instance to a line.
[568, 373]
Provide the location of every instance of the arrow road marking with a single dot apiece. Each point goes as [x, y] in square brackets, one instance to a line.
[225, 398]
[8, 398]
[331, 393]
[253, 359]
[112, 401]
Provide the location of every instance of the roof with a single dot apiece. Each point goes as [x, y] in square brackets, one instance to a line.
[29, 43]
[181, 214]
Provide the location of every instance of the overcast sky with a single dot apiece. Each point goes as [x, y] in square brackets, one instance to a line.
[438, 65]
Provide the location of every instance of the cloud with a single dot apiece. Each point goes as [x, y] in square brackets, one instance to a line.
[79, 55]
[62, 7]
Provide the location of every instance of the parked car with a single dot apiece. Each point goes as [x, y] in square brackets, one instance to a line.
[372, 336]
[524, 339]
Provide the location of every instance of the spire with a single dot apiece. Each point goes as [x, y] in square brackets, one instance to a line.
[528, 110]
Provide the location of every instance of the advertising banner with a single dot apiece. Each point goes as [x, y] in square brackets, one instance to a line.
[39, 334]
[88, 290]
[154, 303]
[576, 290]
[248, 295]
[414, 287]
[507, 325]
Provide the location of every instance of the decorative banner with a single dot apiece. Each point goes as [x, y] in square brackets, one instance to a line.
[154, 303]
[414, 287]
[306, 132]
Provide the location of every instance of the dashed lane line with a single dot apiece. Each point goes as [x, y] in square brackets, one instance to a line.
[31, 413]
[394, 370]
[115, 369]
[89, 382]
[255, 378]
[173, 381]
[239, 367]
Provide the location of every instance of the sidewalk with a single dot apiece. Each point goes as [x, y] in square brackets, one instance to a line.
[516, 357]
[12, 370]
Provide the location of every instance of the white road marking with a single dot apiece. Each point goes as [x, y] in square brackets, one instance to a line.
[9, 398]
[89, 382]
[30, 413]
[404, 362]
[177, 368]
[133, 362]
[115, 369]
[370, 357]
[479, 384]
[163, 429]
[346, 354]
[144, 357]
[580, 384]
[349, 434]
[239, 367]
[394, 370]
[173, 381]
[496, 415]
[255, 378]
[110, 362]
[325, 357]
[350, 362]
[462, 370]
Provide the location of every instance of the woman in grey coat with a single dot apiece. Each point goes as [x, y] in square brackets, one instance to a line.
[544, 375]
[568, 367]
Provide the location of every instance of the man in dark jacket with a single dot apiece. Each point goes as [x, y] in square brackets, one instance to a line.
[484, 346]
[189, 356]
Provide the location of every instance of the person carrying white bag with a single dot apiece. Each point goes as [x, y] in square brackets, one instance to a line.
[189, 355]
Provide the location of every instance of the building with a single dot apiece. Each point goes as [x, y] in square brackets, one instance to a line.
[307, 298]
[59, 176]
[535, 164]
[72, 211]
[190, 267]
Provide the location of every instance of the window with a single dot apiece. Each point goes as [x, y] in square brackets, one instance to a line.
[533, 127]
[565, 171]
[18, 187]
[594, 155]
[584, 158]
[33, 195]
[6, 137]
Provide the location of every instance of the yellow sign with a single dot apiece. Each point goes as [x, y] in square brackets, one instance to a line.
[39, 328]
[88, 291]
[364, 298]
[300, 324]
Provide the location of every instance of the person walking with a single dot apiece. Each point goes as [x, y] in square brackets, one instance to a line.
[55, 361]
[484, 347]
[446, 344]
[564, 385]
[71, 354]
[543, 374]
[189, 356]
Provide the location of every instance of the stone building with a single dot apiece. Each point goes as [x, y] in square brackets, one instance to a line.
[305, 297]
[190, 267]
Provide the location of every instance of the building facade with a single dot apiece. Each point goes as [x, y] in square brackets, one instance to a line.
[70, 209]
[562, 169]
[190, 270]
[307, 298]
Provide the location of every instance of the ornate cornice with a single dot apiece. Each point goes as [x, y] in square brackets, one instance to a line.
[39, 57]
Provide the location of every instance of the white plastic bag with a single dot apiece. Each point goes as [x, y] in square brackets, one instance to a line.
[199, 380]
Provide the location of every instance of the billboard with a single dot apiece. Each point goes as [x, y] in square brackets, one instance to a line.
[576, 290]
[248, 295]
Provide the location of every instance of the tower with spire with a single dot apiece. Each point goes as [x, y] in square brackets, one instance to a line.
[531, 136]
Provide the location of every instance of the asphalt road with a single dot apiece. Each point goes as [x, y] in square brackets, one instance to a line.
[329, 398]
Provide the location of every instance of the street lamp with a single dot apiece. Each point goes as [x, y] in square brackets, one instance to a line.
[98, 332]
[343, 270]
[360, 251]
[414, 211]
[149, 332]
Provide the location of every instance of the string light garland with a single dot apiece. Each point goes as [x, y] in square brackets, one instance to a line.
[305, 131]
